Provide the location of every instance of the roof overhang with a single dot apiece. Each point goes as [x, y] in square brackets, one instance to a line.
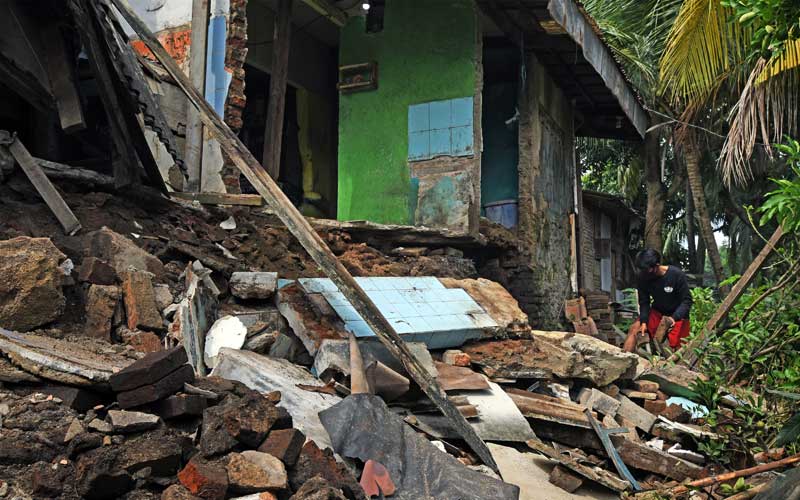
[567, 42]
[609, 203]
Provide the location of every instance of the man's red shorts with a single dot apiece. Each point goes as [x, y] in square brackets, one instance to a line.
[680, 330]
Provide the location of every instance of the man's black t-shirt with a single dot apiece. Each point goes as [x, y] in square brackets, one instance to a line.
[669, 293]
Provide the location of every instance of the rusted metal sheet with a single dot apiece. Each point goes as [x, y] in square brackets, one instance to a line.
[568, 15]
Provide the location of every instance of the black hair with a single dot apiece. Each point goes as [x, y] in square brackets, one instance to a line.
[648, 258]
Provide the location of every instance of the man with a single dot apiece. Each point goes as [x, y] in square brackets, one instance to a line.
[663, 294]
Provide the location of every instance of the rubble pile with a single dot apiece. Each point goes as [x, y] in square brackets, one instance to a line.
[195, 352]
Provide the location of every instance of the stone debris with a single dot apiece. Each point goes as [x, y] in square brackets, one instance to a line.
[228, 331]
[259, 286]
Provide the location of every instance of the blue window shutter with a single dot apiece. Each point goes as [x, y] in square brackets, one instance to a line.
[462, 112]
[440, 128]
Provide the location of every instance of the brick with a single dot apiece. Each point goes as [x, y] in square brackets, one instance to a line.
[676, 413]
[97, 272]
[646, 386]
[655, 407]
[181, 405]
[149, 369]
[204, 479]
[314, 461]
[167, 386]
[565, 479]
[284, 444]
[140, 302]
[245, 420]
[101, 301]
[177, 492]
[79, 399]
[131, 421]
[456, 358]
[140, 341]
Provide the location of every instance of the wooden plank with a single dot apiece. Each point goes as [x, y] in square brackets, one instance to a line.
[548, 408]
[599, 401]
[310, 240]
[642, 457]
[642, 418]
[250, 200]
[595, 473]
[42, 184]
[197, 73]
[278, 78]
[336, 15]
[687, 351]
[62, 79]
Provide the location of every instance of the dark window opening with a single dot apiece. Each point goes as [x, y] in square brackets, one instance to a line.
[375, 16]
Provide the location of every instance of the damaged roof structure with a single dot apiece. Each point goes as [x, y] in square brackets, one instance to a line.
[317, 264]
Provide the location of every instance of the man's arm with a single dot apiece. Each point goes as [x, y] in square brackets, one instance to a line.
[644, 303]
[682, 288]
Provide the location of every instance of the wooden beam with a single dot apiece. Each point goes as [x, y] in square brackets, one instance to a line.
[310, 240]
[62, 79]
[197, 72]
[596, 474]
[40, 181]
[251, 200]
[278, 78]
[334, 14]
[687, 351]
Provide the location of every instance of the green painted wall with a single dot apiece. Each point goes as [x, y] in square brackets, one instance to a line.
[426, 52]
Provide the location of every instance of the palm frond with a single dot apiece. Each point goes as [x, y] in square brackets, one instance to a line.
[787, 60]
[702, 46]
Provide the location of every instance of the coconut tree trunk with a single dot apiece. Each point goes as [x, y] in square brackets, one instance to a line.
[692, 155]
[654, 218]
[691, 243]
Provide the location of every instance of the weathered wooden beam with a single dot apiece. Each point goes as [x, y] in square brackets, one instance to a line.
[40, 181]
[310, 240]
[687, 351]
[250, 200]
[197, 72]
[595, 474]
[334, 14]
[278, 78]
[60, 71]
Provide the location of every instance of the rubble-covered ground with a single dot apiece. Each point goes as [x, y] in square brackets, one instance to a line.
[180, 351]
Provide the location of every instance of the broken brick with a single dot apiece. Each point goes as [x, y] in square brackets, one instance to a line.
[97, 478]
[96, 272]
[181, 405]
[141, 341]
[253, 471]
[284, 444]
[140, 302]
[655, 407]
[131, 421]
[245, 420]
[565, 479]
[167, 386]
[676, 413]
[204, 479]
[177, 492]
[101, 301]
[149, 369]
[314, 461]
[456, 358]
[646, 386]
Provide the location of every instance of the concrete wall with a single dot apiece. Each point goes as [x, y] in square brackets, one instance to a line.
[429, 50]
[538, 274]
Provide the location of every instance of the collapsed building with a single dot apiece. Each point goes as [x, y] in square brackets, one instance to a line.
[167, 333]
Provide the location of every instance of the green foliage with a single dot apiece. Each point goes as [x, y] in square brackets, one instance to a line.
[773, 23]
[783, 204]
[790, 432]
[739, 486]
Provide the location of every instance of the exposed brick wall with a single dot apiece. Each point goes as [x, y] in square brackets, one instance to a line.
[235, 56]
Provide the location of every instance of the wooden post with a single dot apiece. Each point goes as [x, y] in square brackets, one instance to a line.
[273, 135]
[197, 73]
[686, 352]
[42, 184]
[310, 240]
[62, 79]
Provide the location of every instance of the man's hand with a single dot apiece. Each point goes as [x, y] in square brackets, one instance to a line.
[642, 333]
[670, 321]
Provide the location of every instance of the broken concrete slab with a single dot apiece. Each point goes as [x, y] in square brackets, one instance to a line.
[227, 331]
[598, 401]
[101, 302]
[362, 427]
[496, 301]
[125, 422]
[253, 285]
[30, 288]
[453, 378]
[265, 374]
[335, 355]
[121, 253]
[149, 369]
[311, 327]
[141, 308]
[73, 363]
[640, 417]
